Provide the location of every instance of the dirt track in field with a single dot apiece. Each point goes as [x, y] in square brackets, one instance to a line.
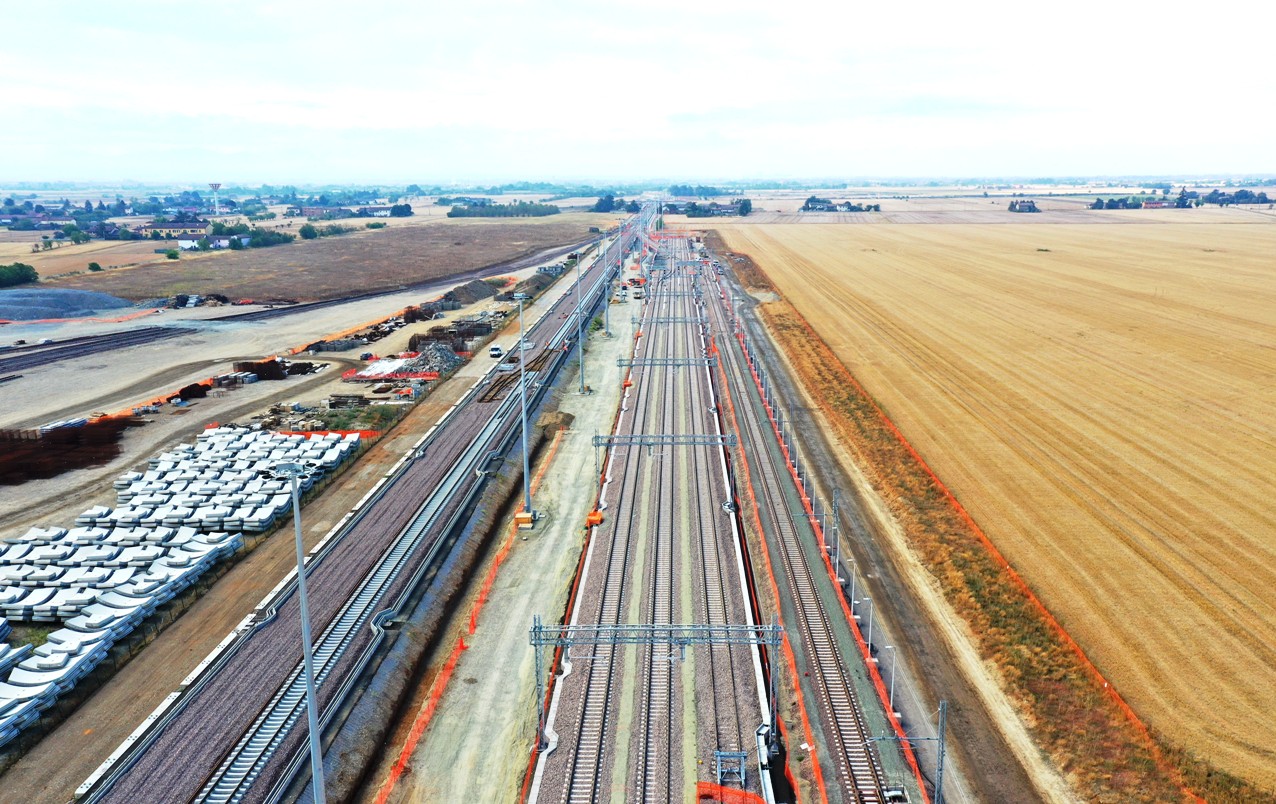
[1099, 398]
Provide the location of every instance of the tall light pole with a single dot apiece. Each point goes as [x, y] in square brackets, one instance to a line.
[891, 648]
[607, 275]
[522, 396]
[580, 338]
[869, 642]
[293, 471]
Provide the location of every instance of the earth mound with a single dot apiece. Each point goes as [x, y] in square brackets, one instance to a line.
[32, 304]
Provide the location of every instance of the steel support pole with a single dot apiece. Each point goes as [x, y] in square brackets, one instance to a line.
[607, 307]
[307, 653]
[939, 771]
[870, 626]
[540, 684]
[580, 337]
[891, 648]
[522, 396]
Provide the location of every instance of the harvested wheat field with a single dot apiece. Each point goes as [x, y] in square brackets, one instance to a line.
[1101, 399]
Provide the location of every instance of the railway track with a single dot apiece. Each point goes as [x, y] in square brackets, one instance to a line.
[596, 704]
[229, 734]
[859, 772]
[664, 556]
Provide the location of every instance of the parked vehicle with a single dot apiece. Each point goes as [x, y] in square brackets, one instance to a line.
[495, 351]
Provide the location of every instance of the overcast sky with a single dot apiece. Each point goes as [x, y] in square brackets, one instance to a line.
[498, 90]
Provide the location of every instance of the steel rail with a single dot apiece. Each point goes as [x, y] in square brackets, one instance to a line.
[858, 769]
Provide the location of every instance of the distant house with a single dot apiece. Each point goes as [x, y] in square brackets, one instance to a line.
[171, 230]
[327, 213]
[55, 222]
[374, 212]
[187, 242]
[1158, 204]
[722, 210]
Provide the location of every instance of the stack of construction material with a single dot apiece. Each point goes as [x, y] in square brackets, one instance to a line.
[107, 574]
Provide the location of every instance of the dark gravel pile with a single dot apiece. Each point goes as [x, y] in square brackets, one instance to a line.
[30, 304]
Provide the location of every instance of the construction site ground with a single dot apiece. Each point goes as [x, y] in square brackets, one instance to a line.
[58, 764]
[479, 740]
[130, 376]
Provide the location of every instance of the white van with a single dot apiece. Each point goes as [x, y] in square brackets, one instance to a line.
[495, 351]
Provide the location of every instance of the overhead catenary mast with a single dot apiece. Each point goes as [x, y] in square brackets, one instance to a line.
[215, 186]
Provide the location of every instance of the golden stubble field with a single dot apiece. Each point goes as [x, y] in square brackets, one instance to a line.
[1102, 399]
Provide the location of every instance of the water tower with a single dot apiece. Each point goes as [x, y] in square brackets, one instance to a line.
[215, 186]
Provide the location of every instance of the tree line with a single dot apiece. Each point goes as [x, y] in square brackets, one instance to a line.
[610, 203]
[516, 209]
[698, 191]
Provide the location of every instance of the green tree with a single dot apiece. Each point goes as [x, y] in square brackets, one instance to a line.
[746, 206]
[204, 244]
[605, 203]
[93, 266]
[17, 274]
[308, 232]
[171, 254]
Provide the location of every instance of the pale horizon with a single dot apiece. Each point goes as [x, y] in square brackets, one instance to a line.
[281, 93]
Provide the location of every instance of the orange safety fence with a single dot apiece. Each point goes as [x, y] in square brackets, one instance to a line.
[115, 320]
[210, 383]
[363, 434]
[708, 791]
[441, 681]
[486, 588]
[1017, 580]
[423, 719]
[352, 375]
[875, 676]
[789, 658]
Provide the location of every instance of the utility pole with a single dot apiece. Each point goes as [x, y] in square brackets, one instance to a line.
[293, 470]
[522, 395]
[580, 338]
